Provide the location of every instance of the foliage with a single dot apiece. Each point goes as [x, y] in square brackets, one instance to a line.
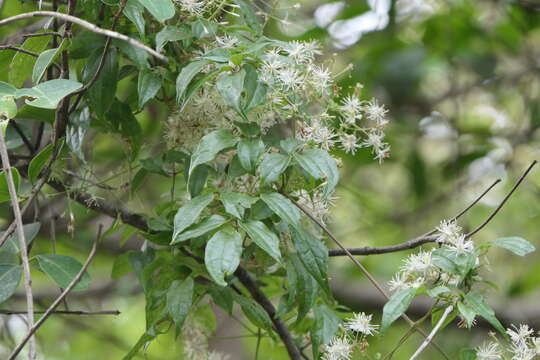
[249, 154]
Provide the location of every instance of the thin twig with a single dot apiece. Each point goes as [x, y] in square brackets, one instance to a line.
[433, 332]
[413, 243]
[87, 25]
[499, 207]
[15, 48]
[64, 312]
[57, 302]
[22, 241]
[52, 33]
[22, 135]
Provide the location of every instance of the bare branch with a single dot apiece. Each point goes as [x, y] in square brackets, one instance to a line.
[57, 302]
[64, 312]
[22, 241]
[411, 244]
[499, 207]
[15, 48]
[280, 326]
[433, 332]
[87, 25]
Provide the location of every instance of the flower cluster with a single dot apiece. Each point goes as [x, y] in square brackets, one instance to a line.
[452, 237]
[523, 345]
[419, 268]
[195, 342]
[315, 202]
[297, 88]
[354, 331]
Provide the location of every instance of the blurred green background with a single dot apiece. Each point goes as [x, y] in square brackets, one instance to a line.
[460, 79]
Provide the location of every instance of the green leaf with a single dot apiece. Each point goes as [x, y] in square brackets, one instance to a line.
[236, 203]
[79, 123]
[395, 307]
[189, 213]
[283, 207]
[101, 95]
[263, 237]
[44, 60]
[138, 56]
[134, 12]
[48, 94]
[467, 354]
[7, 89]
[478, 304]
[210, 145]
[10, 276]
[325, 326]
[38, 162]
[63, 269]
[4, 191]
[12, 242]
[222, 255]
[210, 223]
[314, 255]
[249, 16]
[254, 91]
[194, 86]
[148, 86]
[8, 107]
[517, 245]
[179, 299]
[170, 33]
[186, 75]
[223, 297]
[302, 286]
[444, 261]
[197, 180]
[22, 64]
[272, 166]
[230, 86]
[254, 312]
[161, 9]
[249, 152]
[319, 164]
[468, 313]
[121, 265]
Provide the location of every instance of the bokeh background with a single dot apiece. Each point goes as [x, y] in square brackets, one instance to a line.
[460, 79]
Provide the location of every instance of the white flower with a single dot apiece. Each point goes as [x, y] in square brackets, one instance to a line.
[321, 78]
[375, 140]
[361, 323]
[226, 41]
[521, 334]
[399, 282]
[488, 351]
[214, 355]
[375, 112]
[382, 153]
[418, 263]
[536, 345]
[351, 109]
[340, 348]
[448, 230]
[460, 245]
[290, 78]
[192, 6]
[324, 136]
[301, 52]
[348, 142]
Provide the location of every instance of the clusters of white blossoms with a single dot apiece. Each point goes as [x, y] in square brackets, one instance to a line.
[523, 346]
[354, 332]
[419, 269]
[298, 89]
[316, 203]
[195, 342]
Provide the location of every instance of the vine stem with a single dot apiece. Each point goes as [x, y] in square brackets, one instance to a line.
[58, 300]
[87, 25]
[433, 332]
[22, 241]
[362, 268]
